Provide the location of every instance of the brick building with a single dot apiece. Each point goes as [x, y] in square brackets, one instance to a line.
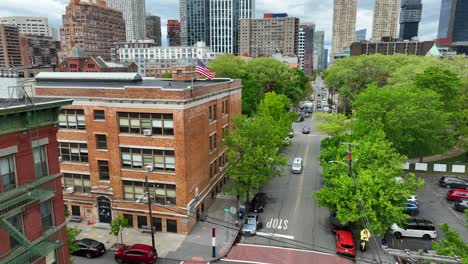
[37, 50]
[92, 25]
[79, 61]
[10, 52]
[173, 32]
[122, 127]
[390, 47]
[32, 221]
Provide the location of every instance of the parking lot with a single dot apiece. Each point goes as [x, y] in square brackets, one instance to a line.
[434, 206]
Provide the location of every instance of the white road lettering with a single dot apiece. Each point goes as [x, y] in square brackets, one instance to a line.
[277, 223]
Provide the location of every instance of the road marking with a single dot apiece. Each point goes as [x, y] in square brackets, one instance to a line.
[244, 261]
[299, 196]
[293, 249]
[275, 235]
[277, 223]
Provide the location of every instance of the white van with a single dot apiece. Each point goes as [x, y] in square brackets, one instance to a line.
[297, 165]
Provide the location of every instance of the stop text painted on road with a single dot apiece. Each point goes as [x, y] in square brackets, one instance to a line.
[277, 223]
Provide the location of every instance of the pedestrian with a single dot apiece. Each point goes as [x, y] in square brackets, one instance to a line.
[384, 243]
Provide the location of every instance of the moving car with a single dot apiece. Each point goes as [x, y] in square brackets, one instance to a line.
[453, 182]
[258, 202]
[461, 205]
[138, 253]
[89, 248]
[336, 225]
[411, 208]
[305, 130]
[297, 166]
[457, 194]
[251, 225]
[345, 243]
[415, 227]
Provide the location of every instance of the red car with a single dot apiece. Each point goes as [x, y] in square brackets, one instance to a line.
[137, 253]
[345, 243]
[457, 194]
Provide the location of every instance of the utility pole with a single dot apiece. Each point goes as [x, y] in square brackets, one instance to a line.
[150, 211]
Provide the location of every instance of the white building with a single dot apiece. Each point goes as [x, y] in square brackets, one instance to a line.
[134, 15]
[319, 37]
[29, 25]
[154, 61]
[224, 23]
[300, 48]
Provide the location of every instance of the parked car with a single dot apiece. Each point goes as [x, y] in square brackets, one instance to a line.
[291, 133]
[414, 199]
[300, 119]
[461, 205]
[453, 182]
[345, 243]
[138, 253]
[89, 248]
[411, 208]
[305, 130]
[415, 227]
[251, 225]
[307, 114]
[336, 225]
[258, 202]
[457, 194]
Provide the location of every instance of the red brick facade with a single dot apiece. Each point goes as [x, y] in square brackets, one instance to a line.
[90, 64]
[190, 111]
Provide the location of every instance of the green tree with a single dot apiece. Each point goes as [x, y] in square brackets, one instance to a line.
[72, 233]
[166, 75]
[117, 226]
[228, 66]
[451, 244]
[333, 125]
[412, 118]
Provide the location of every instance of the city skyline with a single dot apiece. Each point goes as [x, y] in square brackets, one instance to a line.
[319, 12]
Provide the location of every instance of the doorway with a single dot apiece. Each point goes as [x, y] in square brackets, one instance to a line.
[104, 210]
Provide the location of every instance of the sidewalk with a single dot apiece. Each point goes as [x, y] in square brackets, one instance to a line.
[455, 151]
[197, 246]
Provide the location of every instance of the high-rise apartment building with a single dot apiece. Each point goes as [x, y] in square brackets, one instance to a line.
[267, 36]
[361, 35]
[29, 25]
[453, 22]
[224, 23]
[390, 46]
[325, 59]
[92, 25]
[134, 16]
[10, 51]
[153, 29]
[194, 22]
[32, 220]
[173, 32]
[385, 22]
[124, 128]
[319, 39]
[410, 16]
[305, 48]
[38, 50]
[344, 25]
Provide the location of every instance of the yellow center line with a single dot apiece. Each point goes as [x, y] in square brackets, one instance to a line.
[301, 181]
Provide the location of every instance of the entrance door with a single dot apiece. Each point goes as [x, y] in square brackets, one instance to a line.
[104, 210]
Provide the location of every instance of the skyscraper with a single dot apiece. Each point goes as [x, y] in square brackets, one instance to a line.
[153, 28]
[453, 22]
[224, 23]
[194, 22]
[325, 59]
[173, 32]
[410, 17]
[319, 37]
[92, 25]
[344, 25]
[385, 19]
[134, 15]
[361, 35]
[29, 25]
[306, 47]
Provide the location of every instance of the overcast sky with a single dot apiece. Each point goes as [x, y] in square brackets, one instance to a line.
[318, 11]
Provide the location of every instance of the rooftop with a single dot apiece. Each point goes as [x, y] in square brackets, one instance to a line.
[16, 105]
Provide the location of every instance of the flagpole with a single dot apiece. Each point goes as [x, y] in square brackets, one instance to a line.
[191, 70]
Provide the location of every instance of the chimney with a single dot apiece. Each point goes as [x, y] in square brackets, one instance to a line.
[183, 73]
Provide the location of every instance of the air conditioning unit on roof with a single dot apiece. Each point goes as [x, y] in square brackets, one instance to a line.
[147, 132]
[149, 168]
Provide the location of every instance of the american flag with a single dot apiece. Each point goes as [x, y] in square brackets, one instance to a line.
[203, 70]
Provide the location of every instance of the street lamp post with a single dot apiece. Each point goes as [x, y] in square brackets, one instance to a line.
[150, 211]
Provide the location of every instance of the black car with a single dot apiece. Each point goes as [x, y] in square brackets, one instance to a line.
[335, 224]
[305, 130]
[258, 203]
[453, 182]
[300, 119]
[89, 248]
[461, 205]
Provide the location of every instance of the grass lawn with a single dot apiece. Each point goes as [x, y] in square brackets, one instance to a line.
[462, 158]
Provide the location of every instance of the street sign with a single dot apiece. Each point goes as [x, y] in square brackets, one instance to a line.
[233, 210]
[227, 210]
[365, 234]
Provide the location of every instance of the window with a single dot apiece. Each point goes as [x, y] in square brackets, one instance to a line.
[103, 170]
[76, 210]
[8, 172]
[101, 141]
[17, 222]
[160, 193]
[225, 131]
[72, 119]
[212, 113]
[99, 115]
[213, 142]
[135, 158]
[224, 107]
[136, 123]
[129, 218]
[171, 226]
[80, 182]
[213, 167]
[157, 224]
[74, 152]
[40, 161]
[142, 221]
[46, 215]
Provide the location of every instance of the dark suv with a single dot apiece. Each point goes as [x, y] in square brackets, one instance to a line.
[453, 182]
